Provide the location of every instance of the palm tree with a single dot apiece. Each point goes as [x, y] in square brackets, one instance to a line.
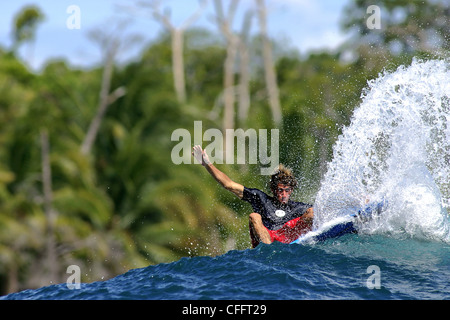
[25, 26]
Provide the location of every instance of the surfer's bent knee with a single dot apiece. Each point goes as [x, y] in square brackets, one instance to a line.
[255, 217]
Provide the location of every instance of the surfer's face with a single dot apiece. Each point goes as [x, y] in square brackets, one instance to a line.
[283, 192]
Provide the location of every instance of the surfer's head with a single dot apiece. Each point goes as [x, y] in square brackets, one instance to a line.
[282, 182]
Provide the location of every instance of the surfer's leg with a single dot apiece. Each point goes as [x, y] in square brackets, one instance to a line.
[308, 216]
[258, 232]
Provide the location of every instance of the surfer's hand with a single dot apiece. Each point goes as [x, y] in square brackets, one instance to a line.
[200, 155]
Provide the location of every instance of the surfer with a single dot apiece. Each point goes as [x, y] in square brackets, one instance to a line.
[274, 218]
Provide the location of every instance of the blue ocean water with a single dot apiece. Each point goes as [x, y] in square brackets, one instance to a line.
[350, 267]
[396, 148]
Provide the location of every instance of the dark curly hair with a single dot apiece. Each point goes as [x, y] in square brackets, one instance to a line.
[284, 176]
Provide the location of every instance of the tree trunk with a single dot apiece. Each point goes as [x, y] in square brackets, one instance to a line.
[229, 94]
[51, 260]
[178, 64]
[105, 100]
[244, 70]
[269, 68]
[177, 35]
[103, 105]
[225, 22]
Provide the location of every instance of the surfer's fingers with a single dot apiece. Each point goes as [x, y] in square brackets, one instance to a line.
[195, 149]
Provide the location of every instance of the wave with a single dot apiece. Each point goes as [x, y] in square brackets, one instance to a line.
[334, 269]
[397, 147]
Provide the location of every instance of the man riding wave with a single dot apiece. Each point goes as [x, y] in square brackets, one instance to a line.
[274, 218]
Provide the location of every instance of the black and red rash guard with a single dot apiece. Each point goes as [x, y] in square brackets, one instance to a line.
[274, 213]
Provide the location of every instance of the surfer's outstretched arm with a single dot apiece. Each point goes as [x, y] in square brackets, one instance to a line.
[222, 178]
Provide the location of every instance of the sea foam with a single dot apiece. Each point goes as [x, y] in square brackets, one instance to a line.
[396, 148]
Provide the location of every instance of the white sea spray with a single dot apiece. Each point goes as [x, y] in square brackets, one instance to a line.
[397, 147]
